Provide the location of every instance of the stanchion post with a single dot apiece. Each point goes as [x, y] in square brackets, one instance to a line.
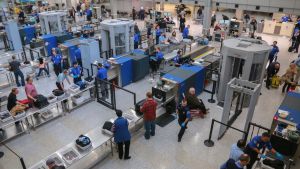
[209, 142]
[23, 163]
[212, 100]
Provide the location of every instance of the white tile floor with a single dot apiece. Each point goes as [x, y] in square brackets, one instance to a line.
[160, 152]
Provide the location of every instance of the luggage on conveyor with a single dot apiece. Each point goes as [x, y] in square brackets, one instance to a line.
[272, 164]
[137, 107]
[41, 101]
[107, 128]
[83, 142]
[275, 82]
[81, 84]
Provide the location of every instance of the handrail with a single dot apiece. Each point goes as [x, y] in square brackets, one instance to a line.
[209, 142]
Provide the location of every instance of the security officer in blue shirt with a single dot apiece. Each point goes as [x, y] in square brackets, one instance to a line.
[78, 56]
[158, 33]
[185, 33]
[89, 14]
[273, 52]
[156, 60]
[76, 72]
[184, 117]
[256, 144]
[56, 59]
[177, 60]
[136, 40]
[102, 75]
[122, 135]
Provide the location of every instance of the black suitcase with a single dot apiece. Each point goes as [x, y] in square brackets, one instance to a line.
[107, 125]
[41, 101]
[137, 107]
[276, 164]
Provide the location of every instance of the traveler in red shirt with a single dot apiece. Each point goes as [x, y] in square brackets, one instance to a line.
[149, 110]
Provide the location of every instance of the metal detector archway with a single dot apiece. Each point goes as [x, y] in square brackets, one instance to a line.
[243, 88]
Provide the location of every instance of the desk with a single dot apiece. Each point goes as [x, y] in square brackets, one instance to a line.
[290, 104]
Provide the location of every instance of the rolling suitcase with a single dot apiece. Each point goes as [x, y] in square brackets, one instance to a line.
[275, 81]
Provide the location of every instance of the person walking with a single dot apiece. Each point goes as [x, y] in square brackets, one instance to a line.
[133, 13]
[57, 60]
[42, 67]
[102, 76]
[289, 77]
[256, 144]
[181, 23]
[184, 117]
[273, 53]
[272, 70]
[14, 66]
[149, 111]
[122, 135]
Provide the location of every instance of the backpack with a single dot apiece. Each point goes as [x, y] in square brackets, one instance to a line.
[83, 141]
[41, 101]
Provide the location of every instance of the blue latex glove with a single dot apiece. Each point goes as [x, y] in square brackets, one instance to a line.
[75, 76]
[263, 156]
[279, 156]
[183, 124]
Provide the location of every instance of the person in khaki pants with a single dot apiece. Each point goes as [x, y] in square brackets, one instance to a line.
[13, 105]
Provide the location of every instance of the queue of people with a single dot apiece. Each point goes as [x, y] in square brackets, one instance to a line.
[245, 156]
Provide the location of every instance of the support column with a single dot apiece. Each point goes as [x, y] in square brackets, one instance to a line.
[239, 13]
[114, 8]
[207, 17]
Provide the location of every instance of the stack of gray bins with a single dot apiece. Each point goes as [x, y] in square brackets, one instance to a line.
[140, 66]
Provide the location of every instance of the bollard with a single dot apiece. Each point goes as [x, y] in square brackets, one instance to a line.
[212, 100]
[209, 142]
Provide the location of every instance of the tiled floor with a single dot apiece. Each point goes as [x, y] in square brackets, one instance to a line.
[160, 152]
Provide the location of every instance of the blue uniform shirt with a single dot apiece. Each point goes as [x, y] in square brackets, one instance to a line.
[162, 39]
[77, 54]
[274, 50]
[256, 142]
[56, 59]
[235, 152]
[185, 33]
[158, 32]
[159, 56]
[88, 12]
[102, 73]
[121, 132]
[136, 37]
[75, 71]
[285, 19]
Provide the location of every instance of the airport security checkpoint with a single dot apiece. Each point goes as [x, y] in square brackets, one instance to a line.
[139, 84]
